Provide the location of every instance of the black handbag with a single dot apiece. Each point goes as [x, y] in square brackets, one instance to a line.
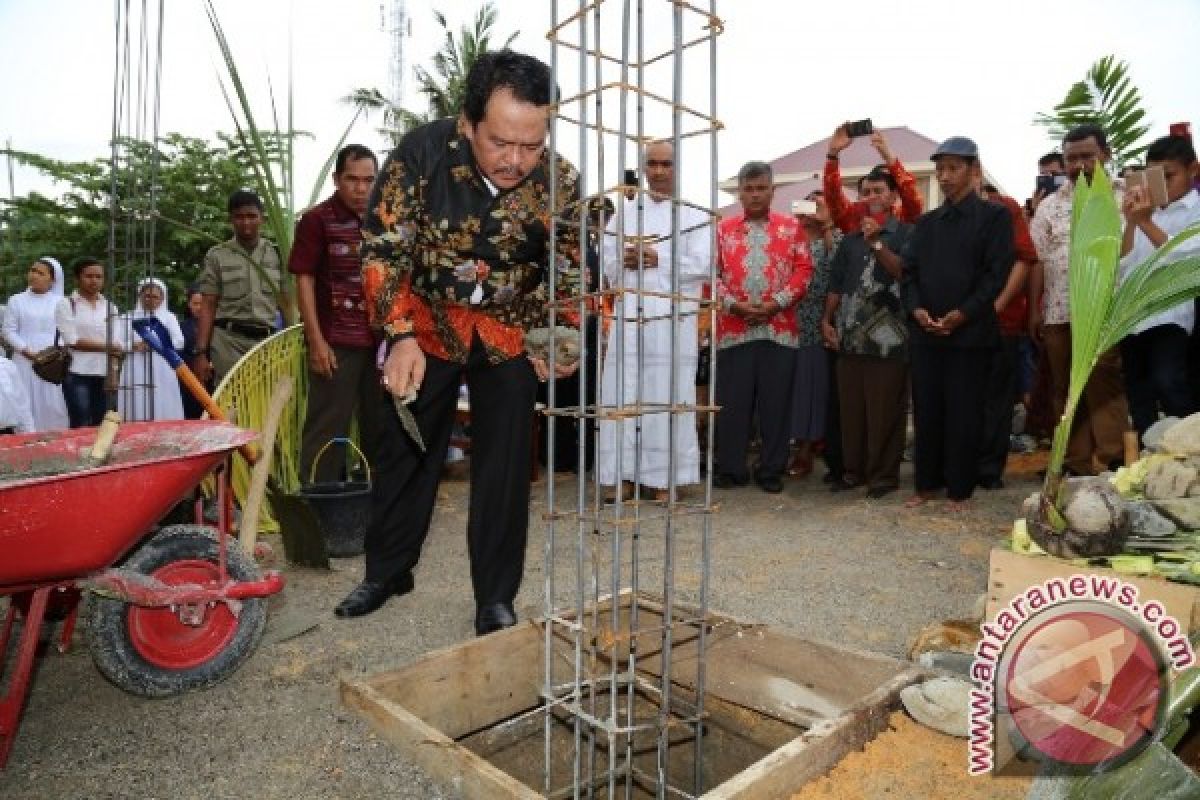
[50, 363]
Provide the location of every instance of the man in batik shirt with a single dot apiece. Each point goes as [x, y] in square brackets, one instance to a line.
[763, 271]
[456, 260]
[1098, 430]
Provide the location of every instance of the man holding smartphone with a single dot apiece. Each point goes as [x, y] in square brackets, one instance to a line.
[1097, 435]
[1155, 355]
[848, 215]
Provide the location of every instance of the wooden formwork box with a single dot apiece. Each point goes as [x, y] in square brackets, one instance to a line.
[792, 705]
[1011, 573]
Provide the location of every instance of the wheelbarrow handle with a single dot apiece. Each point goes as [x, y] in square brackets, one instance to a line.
[155, 335]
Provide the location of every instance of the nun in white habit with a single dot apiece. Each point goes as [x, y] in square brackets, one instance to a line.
[149, 388]
[29, 327]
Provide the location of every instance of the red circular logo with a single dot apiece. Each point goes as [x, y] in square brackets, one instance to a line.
[1083, 685]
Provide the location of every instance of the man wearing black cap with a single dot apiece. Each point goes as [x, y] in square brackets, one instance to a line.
[955, 265]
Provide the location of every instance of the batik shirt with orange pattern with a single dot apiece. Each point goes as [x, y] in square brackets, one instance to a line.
[445, 259]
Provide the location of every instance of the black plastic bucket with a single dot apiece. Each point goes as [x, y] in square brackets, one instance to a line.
[342, 507]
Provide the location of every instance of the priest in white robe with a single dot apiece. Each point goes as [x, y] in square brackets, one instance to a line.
[645, 221]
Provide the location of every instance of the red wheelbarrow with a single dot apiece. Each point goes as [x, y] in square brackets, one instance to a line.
[181, 611]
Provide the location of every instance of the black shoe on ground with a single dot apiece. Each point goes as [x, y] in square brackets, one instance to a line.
[880, 491]
[991, 483]
[492, 617]
[831, 477]
[769, 483]
[368, 596]
[843, 485]
[723, 480]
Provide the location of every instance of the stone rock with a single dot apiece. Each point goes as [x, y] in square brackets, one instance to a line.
[940, 703]
[1183, 438]
[1168, 479]
[1030, 505]
[1152, 438]
[1185, 512]
[1144, 520]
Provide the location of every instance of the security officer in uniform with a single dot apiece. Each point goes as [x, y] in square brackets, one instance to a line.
[242, 288]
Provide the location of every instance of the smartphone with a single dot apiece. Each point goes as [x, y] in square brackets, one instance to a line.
[804, 207]
[631, 178]
[1048, 184]
[1153, 181]
[862, 127]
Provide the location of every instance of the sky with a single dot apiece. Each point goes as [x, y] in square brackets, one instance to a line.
[787, 71]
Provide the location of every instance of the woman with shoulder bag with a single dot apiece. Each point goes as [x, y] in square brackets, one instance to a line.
[82, 320]
[29, 328]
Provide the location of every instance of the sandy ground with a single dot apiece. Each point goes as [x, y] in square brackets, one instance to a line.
[838, 567]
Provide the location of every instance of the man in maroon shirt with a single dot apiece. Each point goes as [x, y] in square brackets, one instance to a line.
[341, 348]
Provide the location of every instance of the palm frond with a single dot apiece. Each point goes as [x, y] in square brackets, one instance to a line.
[1106, 97]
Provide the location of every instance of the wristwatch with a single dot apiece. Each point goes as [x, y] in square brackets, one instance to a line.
[877, 245]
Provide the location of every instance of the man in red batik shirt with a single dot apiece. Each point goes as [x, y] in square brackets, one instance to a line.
[763, 270]
[325, 259]
[847, 215]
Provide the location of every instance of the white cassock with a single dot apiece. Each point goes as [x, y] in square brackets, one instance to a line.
[149, 387]
[650, 467]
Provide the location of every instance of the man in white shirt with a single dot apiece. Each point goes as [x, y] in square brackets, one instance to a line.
[15, 414]
[646, 263]
[1155, 355]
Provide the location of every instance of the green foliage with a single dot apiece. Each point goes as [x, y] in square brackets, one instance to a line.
[195, 179]
[1103, 310]
[270, 152]
[1108, 98]
[445, 86]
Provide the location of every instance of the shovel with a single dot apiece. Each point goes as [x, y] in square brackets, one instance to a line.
[155, 335]
[303, 542]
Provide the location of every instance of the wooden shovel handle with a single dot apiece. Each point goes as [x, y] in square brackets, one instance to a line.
[193, 384]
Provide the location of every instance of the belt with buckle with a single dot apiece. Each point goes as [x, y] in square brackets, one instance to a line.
[251, 329]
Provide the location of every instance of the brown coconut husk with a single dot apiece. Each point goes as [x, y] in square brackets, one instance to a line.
[1048, 527]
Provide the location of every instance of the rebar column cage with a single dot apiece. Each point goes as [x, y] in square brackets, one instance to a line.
[133, 195]
[618, 720]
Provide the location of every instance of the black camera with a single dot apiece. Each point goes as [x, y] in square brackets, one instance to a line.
[862, 127]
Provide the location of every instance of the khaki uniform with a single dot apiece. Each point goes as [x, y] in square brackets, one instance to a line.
[246, 285]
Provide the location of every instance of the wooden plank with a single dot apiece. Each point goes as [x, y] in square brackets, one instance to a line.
[468, 775]
[1013, 573]
[472, 685]
[808, 757]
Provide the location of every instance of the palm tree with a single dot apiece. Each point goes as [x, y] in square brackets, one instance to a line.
[444, 86]
[1108, 98]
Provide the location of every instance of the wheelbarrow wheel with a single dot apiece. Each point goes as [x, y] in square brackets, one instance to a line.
[149, 651]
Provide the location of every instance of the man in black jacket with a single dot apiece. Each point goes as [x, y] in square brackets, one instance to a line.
[955, 265]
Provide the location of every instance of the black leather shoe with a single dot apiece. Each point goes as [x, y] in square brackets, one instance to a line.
[770, 484]
[723, 480]
[492, 617]
[370, 595]
[991, 483]
[880, 491]
[844, 485]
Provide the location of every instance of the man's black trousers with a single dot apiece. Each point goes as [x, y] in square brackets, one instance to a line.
[406, 480]
[948, 388]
